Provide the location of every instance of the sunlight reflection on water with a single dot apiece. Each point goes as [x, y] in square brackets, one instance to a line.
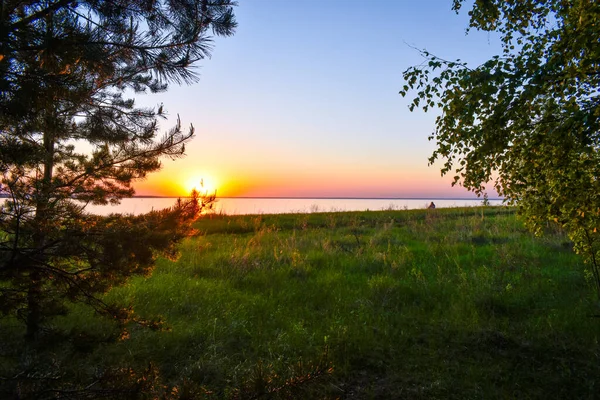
[240, 206]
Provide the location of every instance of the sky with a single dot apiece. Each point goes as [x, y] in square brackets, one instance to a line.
[303, 102]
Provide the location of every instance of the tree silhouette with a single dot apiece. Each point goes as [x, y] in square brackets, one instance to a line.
[71, 136]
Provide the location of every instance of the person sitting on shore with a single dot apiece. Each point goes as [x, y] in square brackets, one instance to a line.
[431, 206]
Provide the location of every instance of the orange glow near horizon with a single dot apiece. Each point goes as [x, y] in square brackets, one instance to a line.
[204, 184]
[338, 182]
[178, 182]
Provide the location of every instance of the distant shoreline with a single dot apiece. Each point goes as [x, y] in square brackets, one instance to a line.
[326, 198]
[313, 198]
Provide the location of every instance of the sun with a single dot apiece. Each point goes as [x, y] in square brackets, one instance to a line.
[204, 184]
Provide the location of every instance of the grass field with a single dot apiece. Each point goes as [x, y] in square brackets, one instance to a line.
[446, 303]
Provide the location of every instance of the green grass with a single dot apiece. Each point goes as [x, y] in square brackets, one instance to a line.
[449, 303]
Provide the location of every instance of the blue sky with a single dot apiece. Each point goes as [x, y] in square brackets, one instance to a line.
[303, 101]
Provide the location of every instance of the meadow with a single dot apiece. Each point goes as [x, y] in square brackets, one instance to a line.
[418, 304]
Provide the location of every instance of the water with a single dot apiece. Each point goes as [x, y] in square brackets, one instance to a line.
[240, 206]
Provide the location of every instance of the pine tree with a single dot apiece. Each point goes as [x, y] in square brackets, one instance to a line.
[70, 136]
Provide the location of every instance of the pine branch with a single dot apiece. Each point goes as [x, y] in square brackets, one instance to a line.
[39, 14]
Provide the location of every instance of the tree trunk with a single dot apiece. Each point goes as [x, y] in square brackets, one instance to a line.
[33, 306]
[43, 195]
[42, 216]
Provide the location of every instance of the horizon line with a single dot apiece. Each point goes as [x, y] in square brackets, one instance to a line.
[326, 198]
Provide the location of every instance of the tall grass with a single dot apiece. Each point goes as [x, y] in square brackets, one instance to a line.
[447, 303]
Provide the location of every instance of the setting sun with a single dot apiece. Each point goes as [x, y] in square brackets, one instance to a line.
[204, 184]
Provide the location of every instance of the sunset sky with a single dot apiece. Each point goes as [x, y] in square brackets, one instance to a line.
[303, 102]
